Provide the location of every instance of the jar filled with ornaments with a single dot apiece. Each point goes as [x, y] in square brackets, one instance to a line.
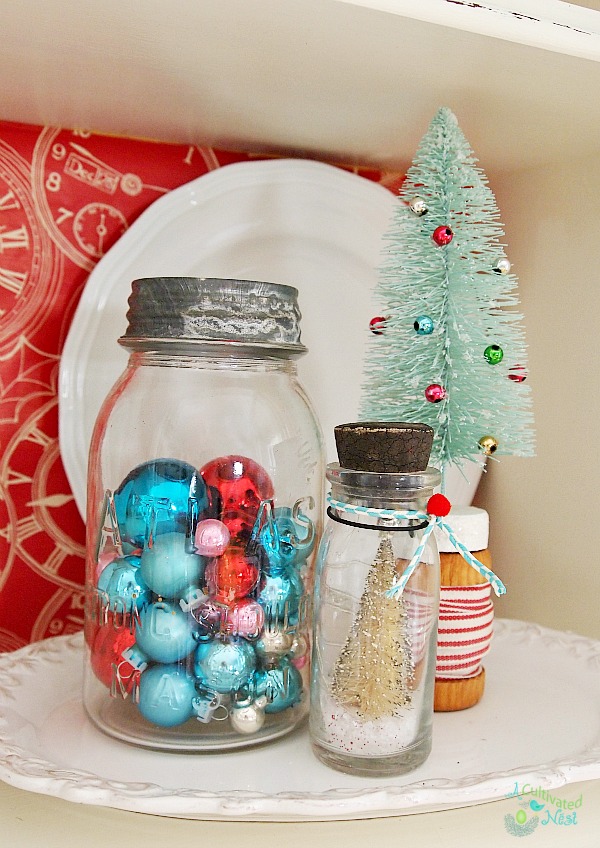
[203, 510]
[376, 603]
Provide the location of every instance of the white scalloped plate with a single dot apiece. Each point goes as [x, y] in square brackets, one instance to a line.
[539, 723]
[293, 221]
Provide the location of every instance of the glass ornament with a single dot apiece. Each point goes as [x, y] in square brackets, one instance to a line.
[423, 325]
[503, 266]
[244, 618]
[274, 642]
[107, 654]
[281, 686]
[442, 235]
[488, 444]
[224, 666]
[205, 481]
[241, 485]
[154, 499]
[168, 568]
[418, 206]
[282, 539]
[166, 695]
[165, 633]
[211, 537]
[517, 373]
[435, 393]
[250, 717]
[231, 576]
[377, 325]
[493, 354]
[280, 595]
[122, 585]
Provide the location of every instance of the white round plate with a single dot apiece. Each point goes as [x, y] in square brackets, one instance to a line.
[292, 221]
[538, 723]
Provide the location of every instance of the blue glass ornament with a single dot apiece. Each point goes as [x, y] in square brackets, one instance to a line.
[122, 587]
[282, 538]
[281, 685]
[168, 568]
[224, 666]
[160, 496]
[165, 633]
[166, 695]
[423, 325]
[280, 595]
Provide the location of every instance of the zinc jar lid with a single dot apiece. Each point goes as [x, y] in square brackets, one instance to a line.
[190, 311]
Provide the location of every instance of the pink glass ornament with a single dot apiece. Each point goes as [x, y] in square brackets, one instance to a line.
[211, 537]
[442, 235]
[435, 393]
[245, 618]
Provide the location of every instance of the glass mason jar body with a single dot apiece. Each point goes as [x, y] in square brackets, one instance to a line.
[204, 501]
[374, 655]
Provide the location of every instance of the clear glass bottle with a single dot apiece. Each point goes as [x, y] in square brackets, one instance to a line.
[374, 655]
[204, 505]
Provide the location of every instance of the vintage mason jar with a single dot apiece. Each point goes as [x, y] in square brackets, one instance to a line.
[203, 510]
[374, 649]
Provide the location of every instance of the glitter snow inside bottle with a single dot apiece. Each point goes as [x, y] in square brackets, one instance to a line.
[374, 646]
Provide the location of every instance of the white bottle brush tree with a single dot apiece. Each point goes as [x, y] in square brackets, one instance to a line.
[448, 348]
[374, 673]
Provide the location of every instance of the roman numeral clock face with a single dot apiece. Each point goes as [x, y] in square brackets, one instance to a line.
[27, 254]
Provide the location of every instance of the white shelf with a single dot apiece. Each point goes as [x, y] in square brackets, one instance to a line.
[348, 81]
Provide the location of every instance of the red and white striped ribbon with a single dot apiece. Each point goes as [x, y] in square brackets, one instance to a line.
[465, 630]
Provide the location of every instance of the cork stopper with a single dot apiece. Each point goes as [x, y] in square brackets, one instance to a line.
[385, 447]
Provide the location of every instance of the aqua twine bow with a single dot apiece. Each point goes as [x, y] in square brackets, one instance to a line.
[438, 507]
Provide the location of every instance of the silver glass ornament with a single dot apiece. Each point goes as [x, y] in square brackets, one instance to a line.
[418, 206]
[249, 718]
[502, 266]
[273, 643]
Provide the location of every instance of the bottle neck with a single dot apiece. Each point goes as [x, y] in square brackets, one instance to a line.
[210, 359]
[399, 492]
[409, 501]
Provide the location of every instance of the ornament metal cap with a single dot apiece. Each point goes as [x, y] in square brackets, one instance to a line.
[175, 312]
[384, 447]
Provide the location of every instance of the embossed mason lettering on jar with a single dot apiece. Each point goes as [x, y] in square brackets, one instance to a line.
[204, 505]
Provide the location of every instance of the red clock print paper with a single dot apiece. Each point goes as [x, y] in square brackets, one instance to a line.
[66, 196]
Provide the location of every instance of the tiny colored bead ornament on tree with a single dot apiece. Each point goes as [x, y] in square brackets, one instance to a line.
[377, 325]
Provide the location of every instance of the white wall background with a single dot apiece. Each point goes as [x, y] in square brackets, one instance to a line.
[545, 512]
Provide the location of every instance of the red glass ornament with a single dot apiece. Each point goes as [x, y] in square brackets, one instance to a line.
[517, 374]
[438, 505]
[241, 484]
[109, 644]
[377, 325]
[435, 393]
[442, 235]
[230, 577]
